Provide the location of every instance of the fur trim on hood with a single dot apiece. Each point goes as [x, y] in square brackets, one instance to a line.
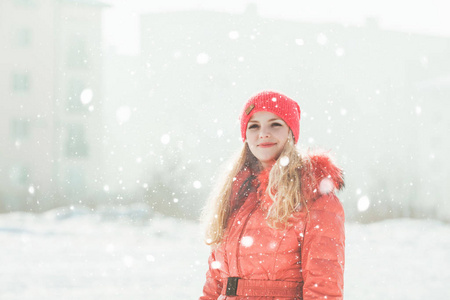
[319, 176]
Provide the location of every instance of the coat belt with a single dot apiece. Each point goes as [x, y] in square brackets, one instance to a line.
[254, 287]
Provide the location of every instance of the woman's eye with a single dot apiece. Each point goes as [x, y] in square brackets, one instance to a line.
[276, 124]
[254, 126]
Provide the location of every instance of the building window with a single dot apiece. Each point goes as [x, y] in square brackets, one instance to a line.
[19, 175]
[22, 37]
[76, 144]
[20, 129]
[77, 53]
[74, 91]
[75, 184]
[21, 82]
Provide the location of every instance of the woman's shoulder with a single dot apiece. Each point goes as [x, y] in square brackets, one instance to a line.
[319, 175]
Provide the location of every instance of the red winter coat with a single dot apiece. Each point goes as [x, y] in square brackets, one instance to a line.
[309, 254]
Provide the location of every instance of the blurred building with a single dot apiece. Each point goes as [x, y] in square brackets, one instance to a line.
[355, 85]
[50, 102]
[433, 133]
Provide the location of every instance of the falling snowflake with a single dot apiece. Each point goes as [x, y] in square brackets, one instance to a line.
[216, 265]
[177, 54]
[86, 96]
[322, 39]
[284, 161]
[299, 42]
[340, 52]
[233, 35]
[418, 110]
[197, 184]
[123, 114]
[203, 58]
[247, 241]
[326, 186]
[363, 203]
[31, 190]
[110, 248]
[165, 139]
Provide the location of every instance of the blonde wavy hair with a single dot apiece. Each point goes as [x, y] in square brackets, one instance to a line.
[284, 188]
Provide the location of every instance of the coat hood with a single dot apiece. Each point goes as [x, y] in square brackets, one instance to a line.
[319, 176]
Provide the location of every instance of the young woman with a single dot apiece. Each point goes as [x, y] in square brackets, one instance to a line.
[275, 226]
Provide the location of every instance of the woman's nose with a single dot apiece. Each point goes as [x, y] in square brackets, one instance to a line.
[264, 132]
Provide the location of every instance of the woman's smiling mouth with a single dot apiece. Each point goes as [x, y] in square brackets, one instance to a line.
[266, 145]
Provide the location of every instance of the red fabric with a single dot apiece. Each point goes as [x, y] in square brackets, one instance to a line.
[279, 104]
[310, 252]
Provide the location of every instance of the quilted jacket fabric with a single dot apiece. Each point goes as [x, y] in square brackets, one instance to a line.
[309, 252]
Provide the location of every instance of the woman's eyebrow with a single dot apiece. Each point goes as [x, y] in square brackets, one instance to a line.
[271, 120]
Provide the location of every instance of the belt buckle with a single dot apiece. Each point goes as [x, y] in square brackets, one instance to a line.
[232, 286]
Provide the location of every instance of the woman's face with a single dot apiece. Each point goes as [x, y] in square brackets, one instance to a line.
[266, 136]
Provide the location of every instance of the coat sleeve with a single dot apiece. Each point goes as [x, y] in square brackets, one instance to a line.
[213, 284]
[323, 251]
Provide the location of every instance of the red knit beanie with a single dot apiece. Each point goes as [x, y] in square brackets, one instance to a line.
[276, 103]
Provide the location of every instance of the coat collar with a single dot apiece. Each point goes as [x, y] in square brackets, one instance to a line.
[319, 175]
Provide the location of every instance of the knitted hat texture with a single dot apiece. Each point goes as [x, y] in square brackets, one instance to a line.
[276, 103]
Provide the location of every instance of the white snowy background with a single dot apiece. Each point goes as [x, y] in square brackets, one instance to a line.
[138, 236]
[75, 253]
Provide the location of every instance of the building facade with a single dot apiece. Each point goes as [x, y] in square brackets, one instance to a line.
[50, 103]
[356, 86]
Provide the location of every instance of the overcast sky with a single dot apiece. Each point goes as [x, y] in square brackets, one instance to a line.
[424, 16]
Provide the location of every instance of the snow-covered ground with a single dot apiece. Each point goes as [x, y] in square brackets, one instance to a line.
[78, 254]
